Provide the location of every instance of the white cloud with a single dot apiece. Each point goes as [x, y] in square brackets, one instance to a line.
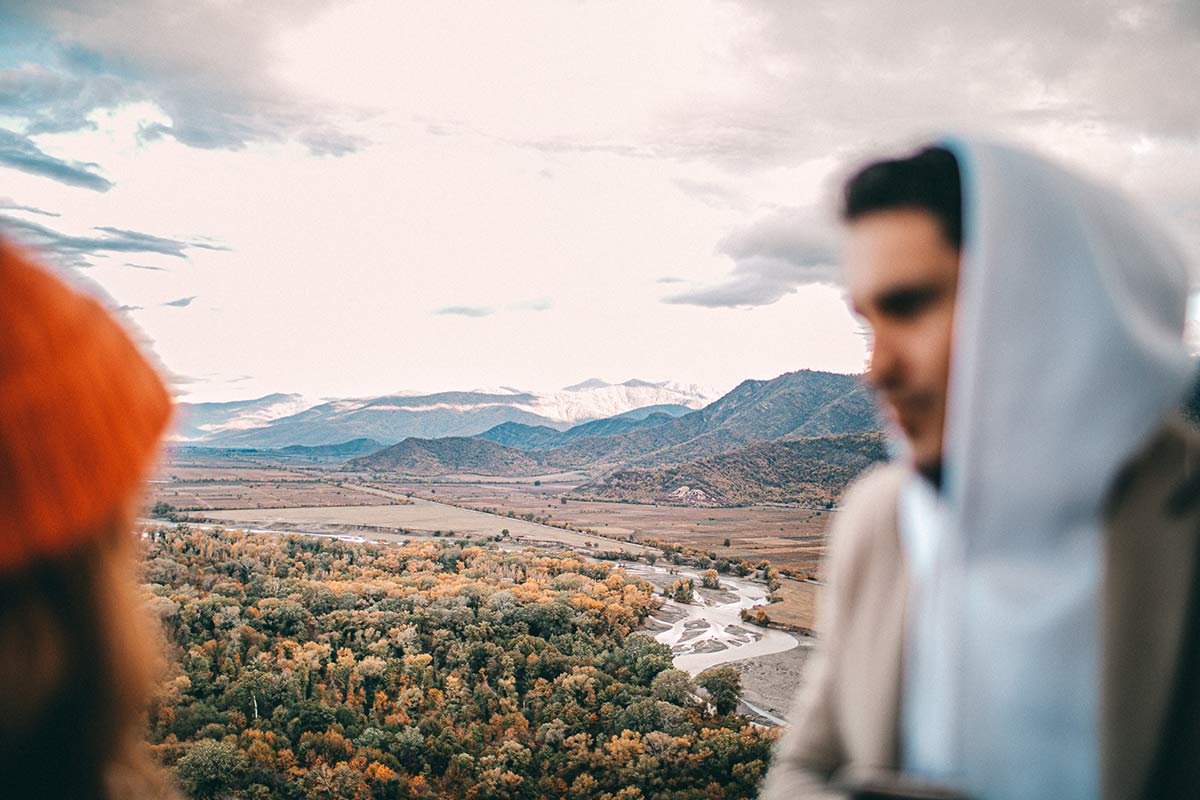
[579, 152]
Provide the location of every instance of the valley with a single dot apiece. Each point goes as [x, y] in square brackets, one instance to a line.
[752, 477]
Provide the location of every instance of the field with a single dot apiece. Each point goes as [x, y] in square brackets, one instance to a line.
[790, 538]
[798, 609]
[420, 516]
[194, 480]
[312, 495]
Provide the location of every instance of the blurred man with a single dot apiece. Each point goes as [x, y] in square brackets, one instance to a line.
[1011, 608]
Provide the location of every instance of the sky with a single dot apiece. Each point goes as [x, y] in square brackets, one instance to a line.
[347, 199]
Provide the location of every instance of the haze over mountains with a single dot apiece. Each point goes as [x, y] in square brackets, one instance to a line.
[282, 420]
[197, 422]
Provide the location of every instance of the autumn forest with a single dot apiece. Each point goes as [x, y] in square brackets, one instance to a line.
[303, 667]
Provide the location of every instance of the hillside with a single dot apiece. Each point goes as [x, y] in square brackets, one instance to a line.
[803, 403]
[541, 437]
[450, 455]
[354, 447]
[808, 471]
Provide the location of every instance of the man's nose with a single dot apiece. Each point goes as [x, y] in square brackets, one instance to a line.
[883, 367]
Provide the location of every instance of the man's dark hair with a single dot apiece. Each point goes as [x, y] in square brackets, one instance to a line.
[927, 180]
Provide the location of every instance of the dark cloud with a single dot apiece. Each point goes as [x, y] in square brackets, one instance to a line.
[75, 249]
[466, 311]
[670, 279]
[772, 257]
[19, 152]
[206, 65]
[182, 302]
[127, 309]
[52, 101]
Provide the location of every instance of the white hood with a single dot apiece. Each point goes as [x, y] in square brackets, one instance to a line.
[1068, 352]
[1068, 345]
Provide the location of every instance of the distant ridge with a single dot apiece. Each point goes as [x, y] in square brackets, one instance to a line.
[354, 447]
[590, 383]
[796, 405]
[392, 418]
[541, 437]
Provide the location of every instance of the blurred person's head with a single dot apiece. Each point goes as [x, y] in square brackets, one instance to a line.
[81, 413]
[904, 219]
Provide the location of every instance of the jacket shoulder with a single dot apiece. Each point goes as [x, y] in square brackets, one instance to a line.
[866, 525]
[1164, 474]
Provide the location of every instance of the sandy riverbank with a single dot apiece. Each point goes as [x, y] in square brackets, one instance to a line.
[769, 682]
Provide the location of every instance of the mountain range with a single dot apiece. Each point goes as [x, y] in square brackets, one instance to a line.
[794, 406]
[280, 420]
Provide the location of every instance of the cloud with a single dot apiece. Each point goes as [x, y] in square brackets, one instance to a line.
[154, 242]
[540, 304]
[824, 77]
[76, 249]
[772, 257]
[178, 380]
[466, 311]
[19, 152]
[11, 205]
[53, 101]
[328, 141]
[710, 193]
[127, 309]
[146, 266]
[670, 279]
[182, 302]
[207, 65]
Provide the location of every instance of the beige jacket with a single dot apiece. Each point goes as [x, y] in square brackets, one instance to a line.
[846, 717]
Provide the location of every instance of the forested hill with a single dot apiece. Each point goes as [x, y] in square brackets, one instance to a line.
[809, 471]
[541, 437]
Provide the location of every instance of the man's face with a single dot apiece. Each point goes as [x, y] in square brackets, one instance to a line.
[902, 276]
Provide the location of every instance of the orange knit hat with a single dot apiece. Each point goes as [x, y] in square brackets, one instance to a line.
[81, 413]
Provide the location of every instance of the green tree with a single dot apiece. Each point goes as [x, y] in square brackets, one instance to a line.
[211, 768]
[724, 686]
[674, 686]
